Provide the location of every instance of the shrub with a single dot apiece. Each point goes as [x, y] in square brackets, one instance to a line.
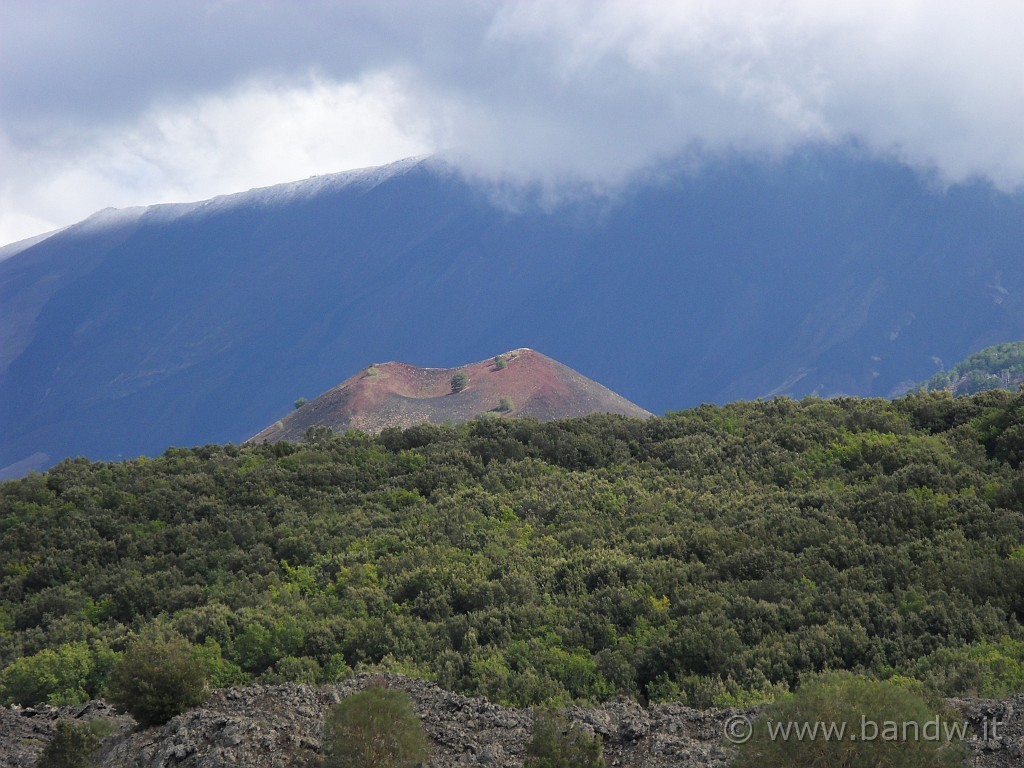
[159, 676]
[220, 672]
[74, 744]
[557, 744]
[500, 363]
[376, 728]
[505, 405]
[71, 674]
[300, 402]
[992, 670]
[460, 381]
[293, 669]
[857, 706]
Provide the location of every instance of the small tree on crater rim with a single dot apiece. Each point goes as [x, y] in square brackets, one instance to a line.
[159, 676]
[74, 744]
[460, 381]
[900, 716]
[557, 744]
[375, 728]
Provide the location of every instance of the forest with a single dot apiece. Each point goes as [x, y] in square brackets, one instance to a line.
[997, 367]
[714, 556]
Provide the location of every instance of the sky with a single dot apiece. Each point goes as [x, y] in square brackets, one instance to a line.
[134, 102]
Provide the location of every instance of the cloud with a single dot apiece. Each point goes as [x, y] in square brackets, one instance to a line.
[115, 102]
[260, 133]
[614, 86]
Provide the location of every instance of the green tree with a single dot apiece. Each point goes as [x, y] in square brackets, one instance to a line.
[992, 670]
[557, 744]
[376, 728]
[70, 674]
[890, 723]
[300, 402]
[460, 381]
[500, 363]
[74, 745]
[159, 676]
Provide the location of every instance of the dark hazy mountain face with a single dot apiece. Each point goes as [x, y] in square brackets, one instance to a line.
[827, 273]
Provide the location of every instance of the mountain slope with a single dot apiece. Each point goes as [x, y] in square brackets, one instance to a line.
[829, 272]
[400, 395]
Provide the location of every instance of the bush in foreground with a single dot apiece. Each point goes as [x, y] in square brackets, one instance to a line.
[376, 728]
[74, 744]
[873, 723]
[557, 744]
[159, 676]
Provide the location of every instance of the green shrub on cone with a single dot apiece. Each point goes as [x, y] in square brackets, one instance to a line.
[873, 723]
[159, 676]
[376, 728]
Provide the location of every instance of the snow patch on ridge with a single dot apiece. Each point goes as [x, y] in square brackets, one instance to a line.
[361, 178]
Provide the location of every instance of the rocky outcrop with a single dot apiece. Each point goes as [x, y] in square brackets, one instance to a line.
[25, 731]
[997, 731]
[267, 727]
[278, 726]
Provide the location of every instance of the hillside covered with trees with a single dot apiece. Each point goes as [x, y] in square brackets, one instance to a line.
[712, 556]
[996, 367]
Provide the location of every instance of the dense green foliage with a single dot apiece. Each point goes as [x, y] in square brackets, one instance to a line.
[375, 728]
[712, 556]
[67, 674]
[992, 669]
[500, 363]
[74, 744]
[997, 367]
[460, 381]
[554, 743]
[159, 676]
[840, 719]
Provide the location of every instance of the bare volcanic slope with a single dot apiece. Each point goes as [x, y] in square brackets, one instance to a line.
[517, 383]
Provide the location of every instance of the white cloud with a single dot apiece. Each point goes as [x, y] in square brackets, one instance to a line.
[144, 103]
[937, 83]
[266, 132]
[261, 133]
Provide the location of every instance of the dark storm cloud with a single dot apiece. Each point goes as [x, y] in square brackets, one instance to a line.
[106, 59]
